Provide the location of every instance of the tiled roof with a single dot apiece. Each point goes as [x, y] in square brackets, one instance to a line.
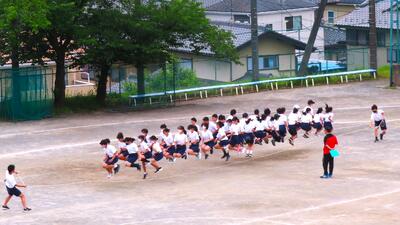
[263, 5]
[359, 17]
[333, 36]
[344, 2]
[242, 36]
[207, 3]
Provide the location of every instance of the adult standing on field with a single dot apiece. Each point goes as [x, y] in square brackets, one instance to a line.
[330, 143]
[12, 190]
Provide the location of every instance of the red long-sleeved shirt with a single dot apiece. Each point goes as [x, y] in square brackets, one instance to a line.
[331, 142]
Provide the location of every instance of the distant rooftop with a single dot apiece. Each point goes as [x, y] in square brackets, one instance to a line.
[243, 6]
[242, 36]
[360, 17]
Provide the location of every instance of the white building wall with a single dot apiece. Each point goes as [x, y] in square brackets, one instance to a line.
[277, 19]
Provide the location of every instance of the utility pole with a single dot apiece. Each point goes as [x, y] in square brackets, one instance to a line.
[254, 39]
[311, 40]
[391, 44]
[373, 61]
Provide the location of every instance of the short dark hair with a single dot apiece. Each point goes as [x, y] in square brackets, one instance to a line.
[267, 111]
[163, 126]
[320, 110]
[104, 142]
[145, 131]
[328, 129]
[310, 102]
[142, 137]
[214, 116]
[11, 168]
[206, 119]
[221, 117]
[129, 139]
[193, 119]
[233, 112]
[374, 107]
[166, 130]
[220, 124]
[153, 138]
[120, 135]
[256, 111]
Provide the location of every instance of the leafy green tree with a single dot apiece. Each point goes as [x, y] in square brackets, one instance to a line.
[20, 21]
[103, 39]
[143, 33]
[59, 40]
[158, 26]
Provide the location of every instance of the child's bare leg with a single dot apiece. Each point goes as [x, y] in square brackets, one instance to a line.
[8, 198]
[23, 200]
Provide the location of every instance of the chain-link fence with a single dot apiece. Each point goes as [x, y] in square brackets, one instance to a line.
[26, 93]
[192, 71]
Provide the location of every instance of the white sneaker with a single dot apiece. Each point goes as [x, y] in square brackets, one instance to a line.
[199, 156]
[109, 175]
[244, 150]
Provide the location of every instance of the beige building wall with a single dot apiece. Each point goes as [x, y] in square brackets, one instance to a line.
[277, 19]
[340, 11]
[211, 69]
[358, 57]
[268, 46]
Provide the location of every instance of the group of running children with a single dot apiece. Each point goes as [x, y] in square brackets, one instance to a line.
[220, 133]
[215, 133]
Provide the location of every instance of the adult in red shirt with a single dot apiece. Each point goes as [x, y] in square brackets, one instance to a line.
[330, 142]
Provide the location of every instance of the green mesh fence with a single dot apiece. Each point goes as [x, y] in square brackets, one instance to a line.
[26, 93]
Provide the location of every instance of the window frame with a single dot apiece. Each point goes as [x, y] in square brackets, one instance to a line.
[242, 19]
[291, 20]
[263, 57]
[331, 18]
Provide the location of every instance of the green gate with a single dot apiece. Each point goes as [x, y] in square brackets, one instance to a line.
[26, 93]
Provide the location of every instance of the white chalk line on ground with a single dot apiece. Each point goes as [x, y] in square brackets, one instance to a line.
[58, 147]
[232, 220]
[143, 121]
[323, 206]
[267, 218]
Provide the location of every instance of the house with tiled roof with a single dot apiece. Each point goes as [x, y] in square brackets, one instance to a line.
[356, 25]
[293, 18]
[277, 55]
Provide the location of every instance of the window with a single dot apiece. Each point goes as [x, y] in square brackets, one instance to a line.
[267, 62]
[293, 23]
[395, 54]
[351, 37]
[361, 37]
[241, 18]
[186, 64]
[381, 38]
[268, 27]
[331, 17]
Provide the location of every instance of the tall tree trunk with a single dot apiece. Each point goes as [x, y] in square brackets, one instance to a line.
[311, 40]
[373, 61]
[254, 40]
[59, 85]
[102, 85]
[140, 79]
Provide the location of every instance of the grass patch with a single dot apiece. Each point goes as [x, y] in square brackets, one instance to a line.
[79, 104]
[384, 72]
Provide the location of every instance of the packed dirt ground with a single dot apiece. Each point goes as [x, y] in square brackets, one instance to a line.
[60, 161]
